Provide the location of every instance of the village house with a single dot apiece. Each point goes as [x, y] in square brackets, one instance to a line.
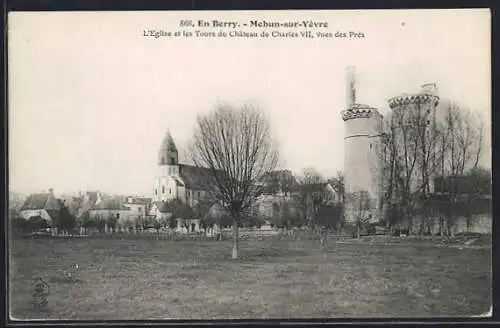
[111, 207]
[138, 206]
[44, 205]
[277, 189]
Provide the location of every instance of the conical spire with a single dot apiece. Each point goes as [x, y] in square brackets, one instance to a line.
[168, 154]
[168, 142]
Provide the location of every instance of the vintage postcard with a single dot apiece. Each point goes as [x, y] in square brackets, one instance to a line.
[249, 164]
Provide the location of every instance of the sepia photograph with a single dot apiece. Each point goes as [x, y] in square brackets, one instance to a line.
[213, 165]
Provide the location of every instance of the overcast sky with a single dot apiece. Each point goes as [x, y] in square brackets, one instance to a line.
[91, 98]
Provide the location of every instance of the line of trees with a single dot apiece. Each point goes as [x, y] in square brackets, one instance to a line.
[419, 151]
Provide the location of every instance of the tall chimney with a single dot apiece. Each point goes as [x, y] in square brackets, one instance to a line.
[430, 89]
[350, 86]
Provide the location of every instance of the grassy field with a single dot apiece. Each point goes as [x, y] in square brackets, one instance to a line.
[148, 279]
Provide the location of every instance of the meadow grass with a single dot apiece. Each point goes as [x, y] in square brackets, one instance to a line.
[157, 279]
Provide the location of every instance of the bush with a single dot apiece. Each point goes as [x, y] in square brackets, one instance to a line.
[329, 216]
[224, 220]
[18, 224]
[157, 225]
[252, 221]
[65, 221]
[36, 223]
[172, 222]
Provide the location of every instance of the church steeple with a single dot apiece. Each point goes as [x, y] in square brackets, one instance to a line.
[168, 154]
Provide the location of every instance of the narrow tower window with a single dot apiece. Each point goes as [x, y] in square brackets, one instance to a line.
[162, 189]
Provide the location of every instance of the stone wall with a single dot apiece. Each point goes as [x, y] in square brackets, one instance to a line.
[481, 223]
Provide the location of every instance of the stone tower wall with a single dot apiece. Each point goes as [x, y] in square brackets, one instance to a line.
[362, 162]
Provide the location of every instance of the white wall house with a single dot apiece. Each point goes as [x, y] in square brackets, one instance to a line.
[44, 205]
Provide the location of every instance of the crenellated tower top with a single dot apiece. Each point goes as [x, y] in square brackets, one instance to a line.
[358, 111]
[427, 95]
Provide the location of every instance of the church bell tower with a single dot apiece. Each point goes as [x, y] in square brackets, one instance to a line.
[168, 155]
[167, 170]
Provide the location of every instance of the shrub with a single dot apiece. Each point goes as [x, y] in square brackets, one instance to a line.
[36, 223]
[18, 224]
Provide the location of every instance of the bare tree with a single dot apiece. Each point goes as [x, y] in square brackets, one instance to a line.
[280, 182]
[411, 160]
[338, 184]
[418, 147]
[310, 194]
[237, 147]
[462, 147]
[317, 203]
[390, 175]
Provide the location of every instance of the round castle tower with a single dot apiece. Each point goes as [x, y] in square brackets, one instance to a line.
[409, 110]
[363, 158]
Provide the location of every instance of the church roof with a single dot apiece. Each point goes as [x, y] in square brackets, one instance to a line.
[200, 178]
[195, 177]
[178, 182]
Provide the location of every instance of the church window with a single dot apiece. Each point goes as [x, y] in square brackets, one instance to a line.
[156, 191]
[170, 191]
[371, 145]
[199, 194]
[162, 189]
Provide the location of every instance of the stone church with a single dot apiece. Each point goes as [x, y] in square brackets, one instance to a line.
[174, 180]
